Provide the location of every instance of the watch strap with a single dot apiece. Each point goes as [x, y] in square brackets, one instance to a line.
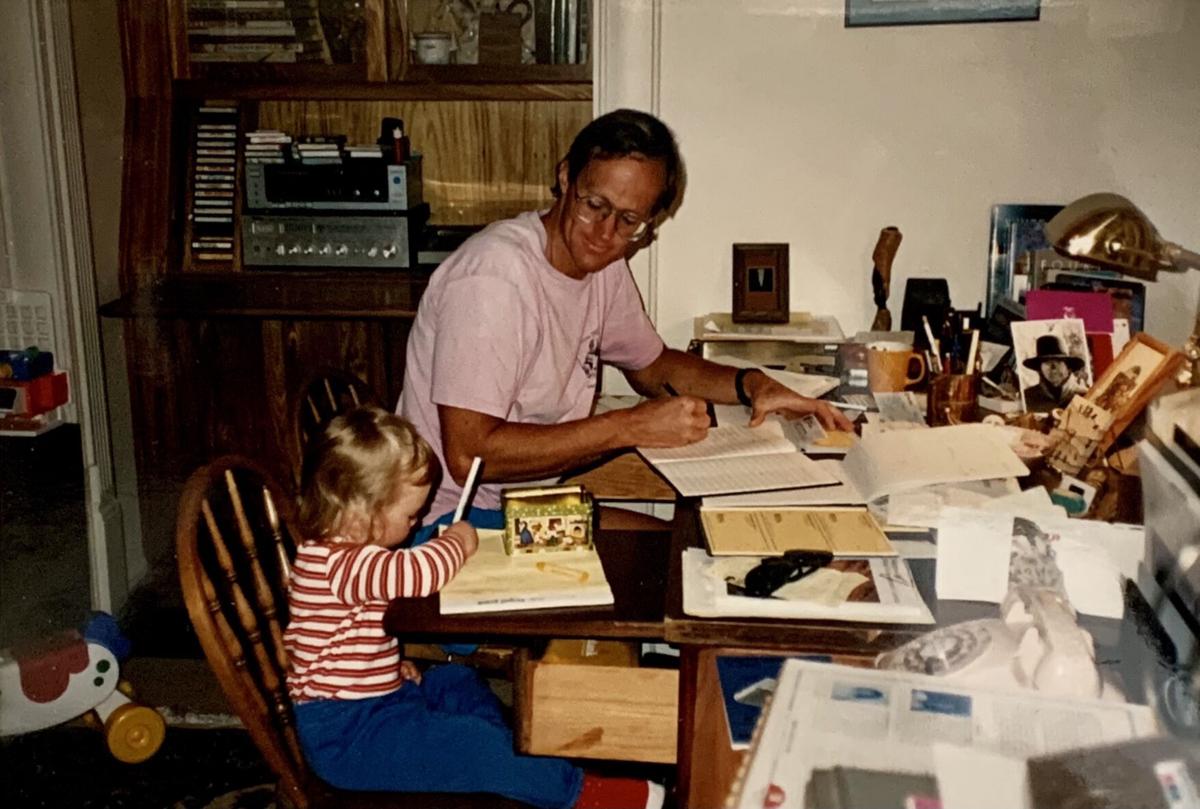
[739, 386]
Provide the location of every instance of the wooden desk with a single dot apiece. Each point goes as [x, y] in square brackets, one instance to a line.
[635, 565]
[623, 477]
[644, 572]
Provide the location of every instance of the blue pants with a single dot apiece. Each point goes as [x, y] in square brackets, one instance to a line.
[445, 735]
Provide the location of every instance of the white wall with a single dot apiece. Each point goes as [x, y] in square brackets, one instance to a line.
[32, 260]
[796, 129]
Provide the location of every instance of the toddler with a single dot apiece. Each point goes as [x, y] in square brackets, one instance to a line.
[366, 719]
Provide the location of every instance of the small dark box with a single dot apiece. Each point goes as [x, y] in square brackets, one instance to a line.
[500, 39]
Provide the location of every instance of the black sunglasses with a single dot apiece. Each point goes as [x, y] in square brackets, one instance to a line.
[775, 571]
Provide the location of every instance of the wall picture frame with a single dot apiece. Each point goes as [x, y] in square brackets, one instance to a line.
[866, 13]
[760, 283]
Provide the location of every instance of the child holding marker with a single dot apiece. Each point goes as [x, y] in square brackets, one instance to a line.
[366, 719]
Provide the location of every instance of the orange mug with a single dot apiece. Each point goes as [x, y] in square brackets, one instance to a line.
[892, 367]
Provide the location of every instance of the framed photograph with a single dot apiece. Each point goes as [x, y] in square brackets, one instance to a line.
[1132, 380]
[760, 283]
[1052, 360]
[860, 13]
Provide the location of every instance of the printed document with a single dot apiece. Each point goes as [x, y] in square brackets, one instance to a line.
[824, 715]
[772, 532]
[737, 458]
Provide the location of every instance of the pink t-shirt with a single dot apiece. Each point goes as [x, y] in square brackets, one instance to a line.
[501, 331]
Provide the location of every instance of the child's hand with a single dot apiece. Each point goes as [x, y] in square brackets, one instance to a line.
[409, 672]
[464, 533]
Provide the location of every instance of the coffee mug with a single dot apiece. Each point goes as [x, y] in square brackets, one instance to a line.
[893, 367]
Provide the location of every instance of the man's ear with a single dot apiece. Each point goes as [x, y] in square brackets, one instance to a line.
[563, 172]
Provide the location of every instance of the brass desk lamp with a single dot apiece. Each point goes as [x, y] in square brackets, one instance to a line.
[1109, 231]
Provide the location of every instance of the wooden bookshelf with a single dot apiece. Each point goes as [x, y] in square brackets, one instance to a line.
[214, 357]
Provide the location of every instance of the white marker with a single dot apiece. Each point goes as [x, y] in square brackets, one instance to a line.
[465, 501]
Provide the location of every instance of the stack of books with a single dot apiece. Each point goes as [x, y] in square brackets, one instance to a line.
[255, 31]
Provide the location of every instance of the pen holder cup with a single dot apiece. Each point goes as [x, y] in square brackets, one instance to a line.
[953, 399]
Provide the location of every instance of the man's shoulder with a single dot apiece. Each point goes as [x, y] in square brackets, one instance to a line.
[498, 250]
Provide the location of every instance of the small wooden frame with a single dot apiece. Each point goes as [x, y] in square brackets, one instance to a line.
[760, 283]
[1132, 380]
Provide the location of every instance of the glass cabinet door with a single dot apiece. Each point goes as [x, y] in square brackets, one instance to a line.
[286, 39]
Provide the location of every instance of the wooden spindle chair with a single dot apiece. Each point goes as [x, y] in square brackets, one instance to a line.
[326, 393]
[234, 549]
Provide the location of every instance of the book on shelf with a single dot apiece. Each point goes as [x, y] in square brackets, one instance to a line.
[737, 458]
[493, 581]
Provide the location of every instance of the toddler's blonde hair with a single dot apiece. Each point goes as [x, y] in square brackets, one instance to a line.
[353, 468]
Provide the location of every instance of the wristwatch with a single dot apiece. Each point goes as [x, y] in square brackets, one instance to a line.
[739, 386]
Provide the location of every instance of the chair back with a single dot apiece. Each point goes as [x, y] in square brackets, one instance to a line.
[327, 393]
[234, 549]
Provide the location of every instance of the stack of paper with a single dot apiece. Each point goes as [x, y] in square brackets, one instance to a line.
[890, 462]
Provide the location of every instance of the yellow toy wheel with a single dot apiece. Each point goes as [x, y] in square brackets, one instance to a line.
[134, 733]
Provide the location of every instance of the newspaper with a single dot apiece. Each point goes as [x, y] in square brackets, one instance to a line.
[824, 715]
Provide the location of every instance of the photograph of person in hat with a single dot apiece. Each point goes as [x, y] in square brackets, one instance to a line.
[1060, 373]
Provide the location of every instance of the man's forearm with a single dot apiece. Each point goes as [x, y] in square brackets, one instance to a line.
[514, 451]
[688, 374]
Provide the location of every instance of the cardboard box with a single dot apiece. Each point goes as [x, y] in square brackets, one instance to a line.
[616, 713]
[546, 518]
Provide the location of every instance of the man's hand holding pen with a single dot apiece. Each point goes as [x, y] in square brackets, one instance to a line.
[673, 421]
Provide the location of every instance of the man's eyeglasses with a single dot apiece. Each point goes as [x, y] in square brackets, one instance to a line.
[594, 209]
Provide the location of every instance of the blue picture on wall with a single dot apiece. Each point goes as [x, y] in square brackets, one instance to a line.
[860, 13]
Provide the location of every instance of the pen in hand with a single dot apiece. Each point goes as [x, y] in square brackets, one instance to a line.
[708, 406]
[468, 488]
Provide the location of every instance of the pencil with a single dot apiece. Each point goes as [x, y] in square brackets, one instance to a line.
[580, 576]
[468, 487]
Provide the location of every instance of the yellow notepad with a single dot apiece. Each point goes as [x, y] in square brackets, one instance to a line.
[772, 532]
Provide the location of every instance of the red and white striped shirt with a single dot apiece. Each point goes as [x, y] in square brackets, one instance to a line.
[336, 644]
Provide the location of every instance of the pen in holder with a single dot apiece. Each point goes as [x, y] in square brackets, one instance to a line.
[953, 399]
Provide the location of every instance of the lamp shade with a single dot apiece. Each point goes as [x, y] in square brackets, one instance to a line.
[1109, 230]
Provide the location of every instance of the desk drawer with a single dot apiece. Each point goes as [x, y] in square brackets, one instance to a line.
[583, 710]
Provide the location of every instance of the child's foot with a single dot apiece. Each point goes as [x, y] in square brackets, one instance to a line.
[600, 792]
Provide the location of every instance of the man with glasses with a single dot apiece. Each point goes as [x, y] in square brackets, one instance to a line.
[504, 354]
